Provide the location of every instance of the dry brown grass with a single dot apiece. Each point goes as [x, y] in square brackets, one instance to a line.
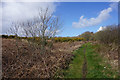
[110, 52]
[29, 63]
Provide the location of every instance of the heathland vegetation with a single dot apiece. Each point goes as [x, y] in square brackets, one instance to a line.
[38, 53]
[100, 48]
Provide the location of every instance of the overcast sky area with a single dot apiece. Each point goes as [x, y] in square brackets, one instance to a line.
[77, 17]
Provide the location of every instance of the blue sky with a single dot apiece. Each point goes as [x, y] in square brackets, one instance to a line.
[72, 11]
[77, 17]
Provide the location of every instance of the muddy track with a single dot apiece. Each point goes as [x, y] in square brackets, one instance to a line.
[84, 67]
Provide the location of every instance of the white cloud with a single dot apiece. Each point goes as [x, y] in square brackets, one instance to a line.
[114, 5]
[103, 15]
[84, 22]
[114, 0]
[101, 28]
[20, 11]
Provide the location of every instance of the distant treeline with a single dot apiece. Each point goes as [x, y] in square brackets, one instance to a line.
[109, 35]
[67, 39]
[18, 37]
[56, 39]
[11, 36]
[7, 36]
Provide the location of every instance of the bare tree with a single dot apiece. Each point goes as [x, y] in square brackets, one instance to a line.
[14, 30]
[44, 26]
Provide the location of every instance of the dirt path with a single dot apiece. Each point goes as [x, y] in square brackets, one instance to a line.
[84, 67]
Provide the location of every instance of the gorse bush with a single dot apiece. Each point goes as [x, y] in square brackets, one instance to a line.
[66, 39]
[56, 39]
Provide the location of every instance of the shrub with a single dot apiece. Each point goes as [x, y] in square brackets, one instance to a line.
[4, 36]
[87, 35]
[11, 36]
[109, 35]
[67, 39]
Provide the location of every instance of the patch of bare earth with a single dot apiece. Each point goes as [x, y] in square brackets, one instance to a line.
[24, 61]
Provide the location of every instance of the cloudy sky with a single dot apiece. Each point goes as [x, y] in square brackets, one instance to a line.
[77, 17]
[87, 16]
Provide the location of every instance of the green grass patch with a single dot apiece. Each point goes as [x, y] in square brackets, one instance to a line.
[96, 66]
[75, 67]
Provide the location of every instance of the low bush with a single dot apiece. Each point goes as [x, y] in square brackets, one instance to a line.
[67, 39]
[87, 36]
[4, 36]
[109, 35]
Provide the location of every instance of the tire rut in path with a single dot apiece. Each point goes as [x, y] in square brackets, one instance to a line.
[84, 67]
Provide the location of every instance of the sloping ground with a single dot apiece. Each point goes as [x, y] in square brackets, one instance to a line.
[110, 52]
[20, 60]
[87, 63]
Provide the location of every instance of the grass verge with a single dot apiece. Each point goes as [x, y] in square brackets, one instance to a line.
[96, 66]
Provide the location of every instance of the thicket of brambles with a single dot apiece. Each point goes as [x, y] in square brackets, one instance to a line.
[109, 35]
